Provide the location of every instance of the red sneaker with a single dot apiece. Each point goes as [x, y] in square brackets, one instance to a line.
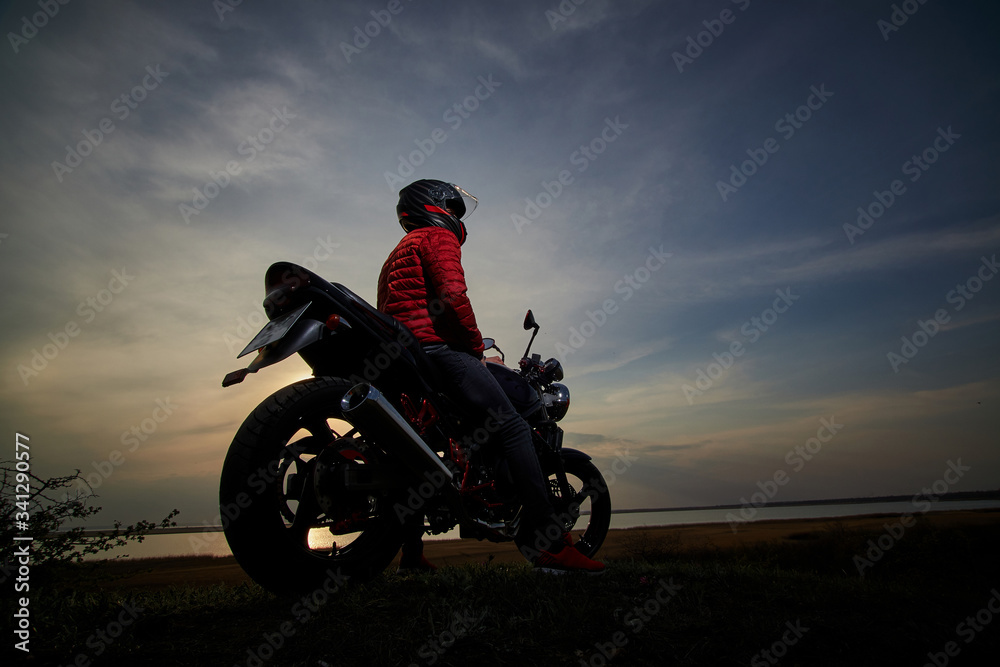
[567, 560]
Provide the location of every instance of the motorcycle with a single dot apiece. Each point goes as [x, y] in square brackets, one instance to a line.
[322, 477]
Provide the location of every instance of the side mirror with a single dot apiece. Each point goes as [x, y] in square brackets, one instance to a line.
[529, 323]
[490, 344]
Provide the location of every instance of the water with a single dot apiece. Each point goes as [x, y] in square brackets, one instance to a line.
[683, 517]
[213, 543]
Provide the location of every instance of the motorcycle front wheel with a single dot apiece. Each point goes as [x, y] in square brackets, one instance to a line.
[586, 511]
[283, 529]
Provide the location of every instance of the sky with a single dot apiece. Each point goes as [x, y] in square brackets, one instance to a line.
[761, 238]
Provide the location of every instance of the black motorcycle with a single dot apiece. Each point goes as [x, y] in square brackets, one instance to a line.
[324, 474]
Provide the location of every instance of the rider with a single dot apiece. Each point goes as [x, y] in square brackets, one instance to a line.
[422, 284]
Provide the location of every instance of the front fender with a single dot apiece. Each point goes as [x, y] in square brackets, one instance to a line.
[574, 454]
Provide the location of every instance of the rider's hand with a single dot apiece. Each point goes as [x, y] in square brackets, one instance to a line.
[495, 360]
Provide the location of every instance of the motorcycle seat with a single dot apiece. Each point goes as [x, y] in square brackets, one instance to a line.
[395, 331]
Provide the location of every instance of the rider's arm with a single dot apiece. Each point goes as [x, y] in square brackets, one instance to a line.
[442, 260]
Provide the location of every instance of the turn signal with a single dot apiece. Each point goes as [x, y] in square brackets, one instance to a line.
[335, 321]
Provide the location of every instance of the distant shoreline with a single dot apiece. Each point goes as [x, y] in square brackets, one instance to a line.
[950, 497]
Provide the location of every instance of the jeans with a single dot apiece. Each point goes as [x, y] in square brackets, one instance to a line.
[475, 387]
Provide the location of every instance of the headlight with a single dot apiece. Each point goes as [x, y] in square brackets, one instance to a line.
[552, 370]
[556, 399]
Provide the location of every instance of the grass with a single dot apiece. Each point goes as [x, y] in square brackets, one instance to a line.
[715, 607]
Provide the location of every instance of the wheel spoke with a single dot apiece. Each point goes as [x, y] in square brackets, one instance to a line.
[308, 508]
[581, 498]
[320, 429]
[295, 450]
[300, 528]
[305, 517]
[311, 444]
[349, 434]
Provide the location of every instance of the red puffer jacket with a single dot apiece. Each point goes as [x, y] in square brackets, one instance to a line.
[422, 285]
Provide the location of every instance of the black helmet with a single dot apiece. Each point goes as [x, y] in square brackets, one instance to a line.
[427, 203]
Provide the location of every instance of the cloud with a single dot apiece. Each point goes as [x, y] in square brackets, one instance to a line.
[321, 192]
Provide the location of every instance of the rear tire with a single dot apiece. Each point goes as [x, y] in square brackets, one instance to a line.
[274, 523]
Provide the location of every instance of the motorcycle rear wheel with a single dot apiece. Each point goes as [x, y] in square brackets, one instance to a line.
[272, 519]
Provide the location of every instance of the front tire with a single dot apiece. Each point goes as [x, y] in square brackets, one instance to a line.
[589, 494]
[278, 529]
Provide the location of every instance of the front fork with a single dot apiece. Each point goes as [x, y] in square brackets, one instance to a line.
[548, 444]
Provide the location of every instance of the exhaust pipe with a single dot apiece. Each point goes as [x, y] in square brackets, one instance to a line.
[365, 407]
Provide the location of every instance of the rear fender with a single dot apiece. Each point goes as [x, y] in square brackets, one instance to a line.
[303, 333]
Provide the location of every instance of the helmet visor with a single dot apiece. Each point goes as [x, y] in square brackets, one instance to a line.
[462, 207]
